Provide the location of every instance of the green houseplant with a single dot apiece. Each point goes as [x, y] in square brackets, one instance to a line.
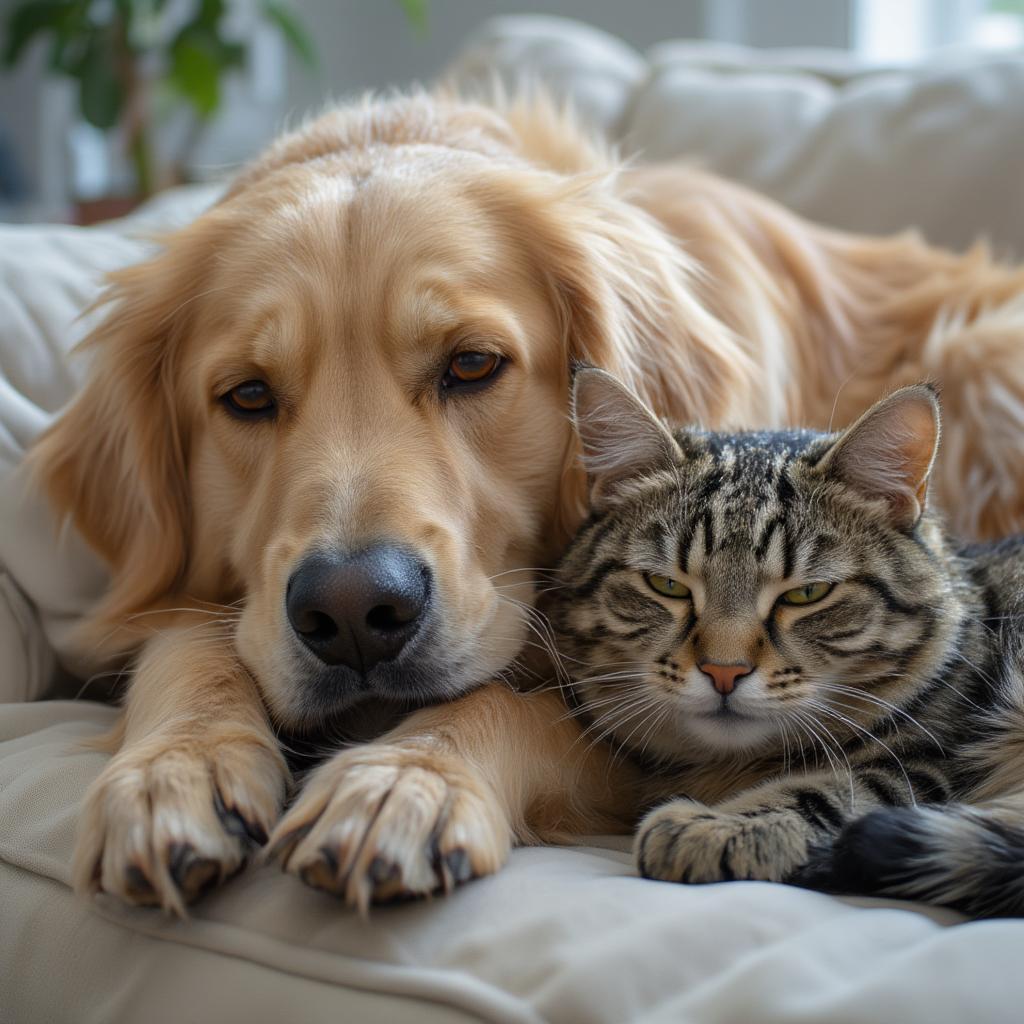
[132, 58]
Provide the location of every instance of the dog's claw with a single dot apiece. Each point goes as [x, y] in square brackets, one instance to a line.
[178, 858]
[383, 870]
[458, 865]
[236, 824]
[318, 875]
[323, 873]
[192, 874]
[330, 859]
[283, 846]
[139, 887]
[199, 877]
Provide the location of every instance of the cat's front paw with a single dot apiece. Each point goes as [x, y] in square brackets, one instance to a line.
[684, 841]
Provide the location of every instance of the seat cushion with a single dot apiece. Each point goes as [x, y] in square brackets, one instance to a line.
[563, 935]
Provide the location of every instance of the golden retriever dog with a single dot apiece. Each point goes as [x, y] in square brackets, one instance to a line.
[324, 447]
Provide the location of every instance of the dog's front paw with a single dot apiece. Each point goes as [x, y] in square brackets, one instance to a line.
[169, 819]
[387, 821]
[684, 841]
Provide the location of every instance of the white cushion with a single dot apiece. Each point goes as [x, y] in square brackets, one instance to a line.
[937, 146]
[561, 935]
[48, 276]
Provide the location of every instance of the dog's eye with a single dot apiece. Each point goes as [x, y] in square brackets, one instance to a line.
[471, 368]
[666, 586]
[252, 399]
[808, 594]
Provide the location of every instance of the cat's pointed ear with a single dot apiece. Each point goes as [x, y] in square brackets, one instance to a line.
[888, 453]
[621, 438]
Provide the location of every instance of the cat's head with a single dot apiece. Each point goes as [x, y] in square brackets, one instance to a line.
[741, 591]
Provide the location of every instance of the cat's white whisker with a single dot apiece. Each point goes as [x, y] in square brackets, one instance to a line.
[882, 704]
[874, 739]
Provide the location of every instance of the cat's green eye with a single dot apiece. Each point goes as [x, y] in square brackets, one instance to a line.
[666, 586]
[807, 594]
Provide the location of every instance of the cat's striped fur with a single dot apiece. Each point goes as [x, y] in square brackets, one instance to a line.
[869, 741]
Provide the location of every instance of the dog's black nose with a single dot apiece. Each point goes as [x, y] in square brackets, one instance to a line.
[360, 609]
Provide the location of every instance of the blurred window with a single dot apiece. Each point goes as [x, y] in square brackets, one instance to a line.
[999, 26]
[906, 30]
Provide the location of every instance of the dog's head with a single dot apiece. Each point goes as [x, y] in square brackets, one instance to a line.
[339, 399]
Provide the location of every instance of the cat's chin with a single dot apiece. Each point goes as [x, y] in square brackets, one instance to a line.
[732, 732]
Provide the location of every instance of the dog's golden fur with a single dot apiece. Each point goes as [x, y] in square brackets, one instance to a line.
[345, 267]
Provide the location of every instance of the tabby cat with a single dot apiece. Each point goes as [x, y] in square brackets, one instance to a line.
[822, 685]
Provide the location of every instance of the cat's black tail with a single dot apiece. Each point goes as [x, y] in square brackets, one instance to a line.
[967, 858]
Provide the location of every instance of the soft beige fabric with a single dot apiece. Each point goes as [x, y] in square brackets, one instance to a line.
[938, 146]
[561, 935]
[564, 935]
[48, 276]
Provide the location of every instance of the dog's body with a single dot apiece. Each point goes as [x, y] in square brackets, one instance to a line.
[341, 394]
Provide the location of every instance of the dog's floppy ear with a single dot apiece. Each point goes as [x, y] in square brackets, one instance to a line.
[114, 462]
[627, 302]
[627, 295]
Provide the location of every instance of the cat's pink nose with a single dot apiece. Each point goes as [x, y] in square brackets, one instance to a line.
[724, 676]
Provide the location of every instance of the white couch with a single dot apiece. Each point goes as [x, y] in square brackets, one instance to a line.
[567, 935]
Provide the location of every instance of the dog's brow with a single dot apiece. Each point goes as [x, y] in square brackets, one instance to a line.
[436, 321]
[261, 343]
[430, 320]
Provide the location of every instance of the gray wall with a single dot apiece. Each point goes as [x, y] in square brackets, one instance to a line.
[369, 44]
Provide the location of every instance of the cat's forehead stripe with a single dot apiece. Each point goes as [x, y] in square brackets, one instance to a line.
[745, 490]
[788, 442]
[734, 496]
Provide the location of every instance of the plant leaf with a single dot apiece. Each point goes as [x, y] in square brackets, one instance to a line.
[231, 55]
[209, 14]
[67, 52]
[195, 74]
[292, 29]
[99, 91]
[31, 19]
